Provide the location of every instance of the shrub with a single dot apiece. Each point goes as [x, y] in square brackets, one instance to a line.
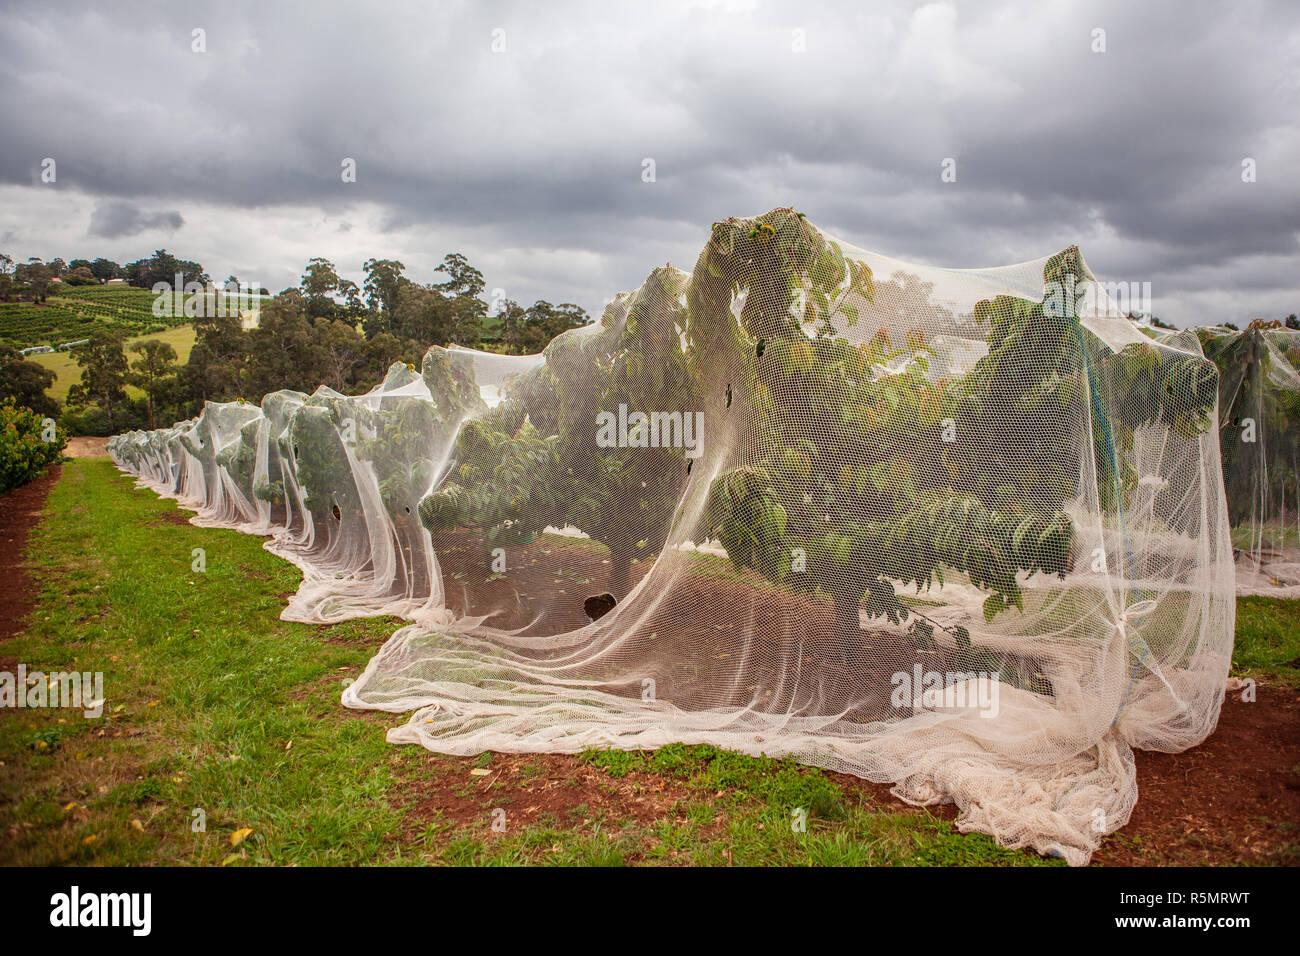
[24, 452]
[93, 420]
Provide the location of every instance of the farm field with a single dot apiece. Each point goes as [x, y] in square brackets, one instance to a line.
[216, 705]
[67, 372]
[74, 313]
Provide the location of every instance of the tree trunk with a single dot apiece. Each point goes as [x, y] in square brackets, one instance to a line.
[837, 677]
[620, 570]
[855, 678]
[848, 627]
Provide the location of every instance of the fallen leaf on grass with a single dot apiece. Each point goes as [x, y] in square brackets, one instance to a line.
[238, 836]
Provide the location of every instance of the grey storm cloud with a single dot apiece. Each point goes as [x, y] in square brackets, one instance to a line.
[532, 155]
[115, 218]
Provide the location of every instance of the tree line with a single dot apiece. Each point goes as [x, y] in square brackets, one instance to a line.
[34, 279]
[327, 330]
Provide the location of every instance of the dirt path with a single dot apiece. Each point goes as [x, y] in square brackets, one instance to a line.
[85, 446]
[1235, 799]
[20, 510]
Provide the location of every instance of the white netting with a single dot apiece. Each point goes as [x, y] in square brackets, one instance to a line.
[1259, 430]
[958, 530]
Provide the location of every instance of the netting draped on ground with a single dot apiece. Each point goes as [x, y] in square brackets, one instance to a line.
[963, 531]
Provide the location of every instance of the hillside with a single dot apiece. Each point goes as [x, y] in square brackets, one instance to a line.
[74, 313]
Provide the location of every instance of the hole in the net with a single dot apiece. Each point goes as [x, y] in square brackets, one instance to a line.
[338, 515]
[762, 345]
[598, 605]
[408, 509]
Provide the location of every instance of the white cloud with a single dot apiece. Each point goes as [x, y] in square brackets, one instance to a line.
[529, 161]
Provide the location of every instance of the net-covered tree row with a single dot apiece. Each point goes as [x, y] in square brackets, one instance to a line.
[1259, 437]
[960, 531]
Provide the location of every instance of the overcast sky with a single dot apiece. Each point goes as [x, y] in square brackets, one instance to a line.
[530, 159]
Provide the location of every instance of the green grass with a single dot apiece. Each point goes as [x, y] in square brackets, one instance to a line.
[67, 372]
[1268, 639]
[215, 704]
[1271, 535]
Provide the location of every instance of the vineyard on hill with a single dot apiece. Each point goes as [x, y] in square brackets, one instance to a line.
[75, 313]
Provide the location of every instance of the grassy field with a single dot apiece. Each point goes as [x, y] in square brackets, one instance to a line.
[1268, 639]
[67, 372]
[218, 709]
